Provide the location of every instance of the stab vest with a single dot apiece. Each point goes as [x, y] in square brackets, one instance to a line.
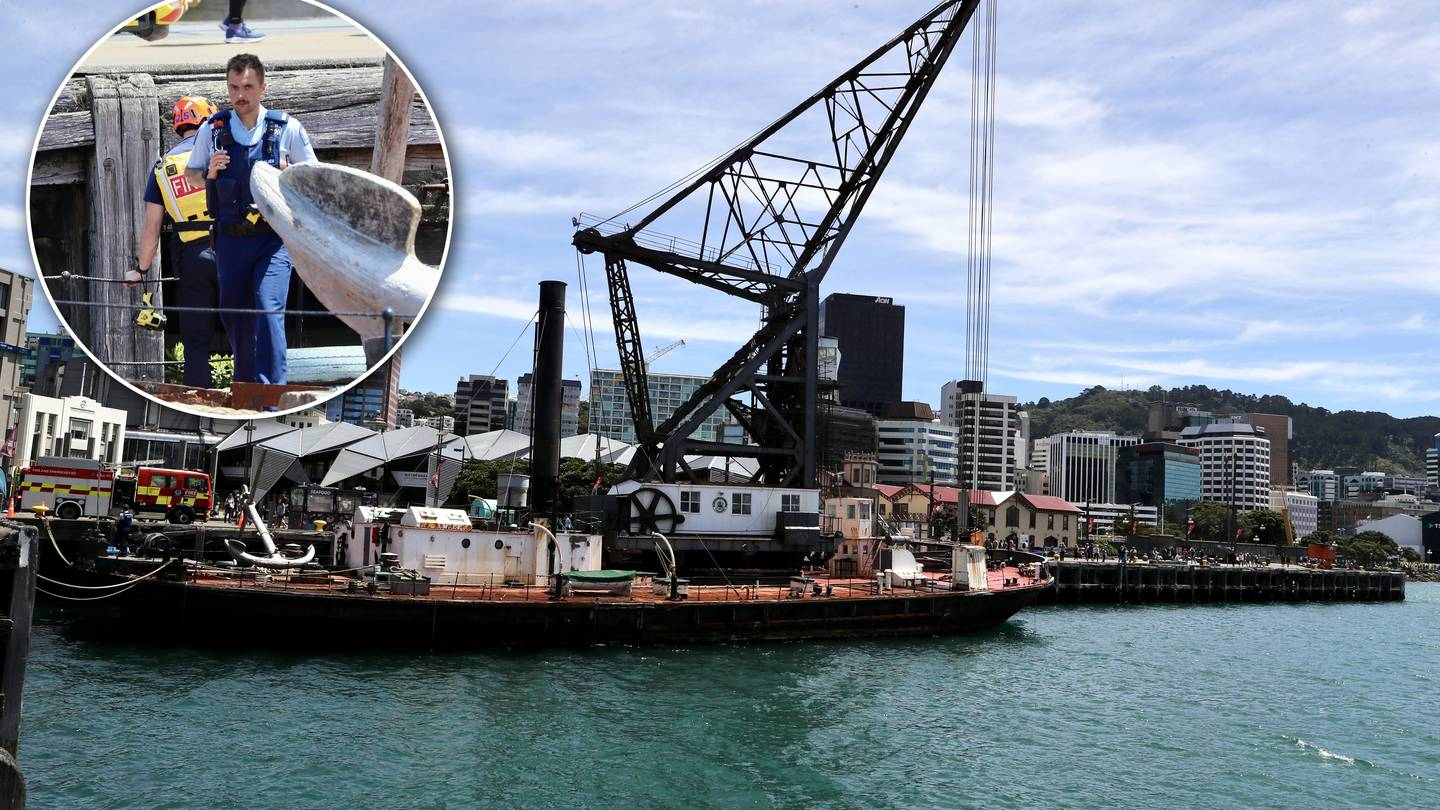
[183, 202]
[229, 193]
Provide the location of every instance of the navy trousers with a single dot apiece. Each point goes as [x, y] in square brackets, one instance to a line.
[198, 287]
[254, 273]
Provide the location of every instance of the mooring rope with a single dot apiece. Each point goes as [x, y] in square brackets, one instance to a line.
[112, 586]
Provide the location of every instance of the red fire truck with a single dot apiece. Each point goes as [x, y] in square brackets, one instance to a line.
[73, 488]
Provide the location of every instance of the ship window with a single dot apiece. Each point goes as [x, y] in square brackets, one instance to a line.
[740, 503]
[790, 502]
[690, 501]
[850, 512]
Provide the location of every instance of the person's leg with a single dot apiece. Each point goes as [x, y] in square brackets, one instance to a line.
[237, 12]
[272, 290]
[236, 31]
[234, 260]
[197, 288]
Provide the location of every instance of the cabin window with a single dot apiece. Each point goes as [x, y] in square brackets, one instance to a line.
[865, 510]
[740, 503]
[850, 512]
[790, 502]
[690, 501]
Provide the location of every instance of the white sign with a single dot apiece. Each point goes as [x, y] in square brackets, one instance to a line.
[419, 479]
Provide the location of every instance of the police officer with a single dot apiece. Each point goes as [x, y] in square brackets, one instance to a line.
[169, 192]
[254, 268]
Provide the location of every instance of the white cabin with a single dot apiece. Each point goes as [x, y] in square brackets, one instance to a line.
[728, 509]
[442, 544]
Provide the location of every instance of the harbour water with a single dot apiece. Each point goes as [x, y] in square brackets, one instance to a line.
[1279, 705]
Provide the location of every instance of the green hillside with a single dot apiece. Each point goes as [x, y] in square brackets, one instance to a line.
[1323, 439]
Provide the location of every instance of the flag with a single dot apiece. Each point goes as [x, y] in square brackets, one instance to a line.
[1090, 525]
[1239, 532]
[1134, 525]
[1190, 529]
[435, 478]
[596, 488]
[9, 451]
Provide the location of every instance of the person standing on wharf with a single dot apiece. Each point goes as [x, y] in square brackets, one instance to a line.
[252, 263]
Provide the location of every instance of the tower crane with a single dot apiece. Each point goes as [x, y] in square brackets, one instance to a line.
[662, 351]
[764, 223]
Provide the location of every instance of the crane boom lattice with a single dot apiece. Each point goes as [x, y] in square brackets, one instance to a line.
[763, 224]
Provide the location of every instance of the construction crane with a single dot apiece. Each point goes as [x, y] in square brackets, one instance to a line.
[764, 223]
[662, 351]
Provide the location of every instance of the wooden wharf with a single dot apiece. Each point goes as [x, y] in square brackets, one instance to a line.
[1092, 582]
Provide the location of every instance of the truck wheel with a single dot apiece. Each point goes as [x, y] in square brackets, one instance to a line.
[68, 510]
[183, 515]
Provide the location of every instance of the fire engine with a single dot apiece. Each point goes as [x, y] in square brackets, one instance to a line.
[73, 488]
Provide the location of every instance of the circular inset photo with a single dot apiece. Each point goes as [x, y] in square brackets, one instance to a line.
[237, 218]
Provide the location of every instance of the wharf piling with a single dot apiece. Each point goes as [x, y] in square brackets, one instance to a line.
[1088, 582]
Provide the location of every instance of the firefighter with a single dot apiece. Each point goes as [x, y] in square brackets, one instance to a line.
[254, 268]
[168, 192]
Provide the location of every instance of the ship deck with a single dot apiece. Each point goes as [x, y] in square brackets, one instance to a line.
[1007, 578]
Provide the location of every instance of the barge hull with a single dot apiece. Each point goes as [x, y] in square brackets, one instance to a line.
[187, 613]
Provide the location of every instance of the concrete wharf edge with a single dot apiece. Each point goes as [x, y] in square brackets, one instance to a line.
[1087, 582]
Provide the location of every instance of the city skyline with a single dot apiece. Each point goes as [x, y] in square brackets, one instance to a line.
[1225, 209]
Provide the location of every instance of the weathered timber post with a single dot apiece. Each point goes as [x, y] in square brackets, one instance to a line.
[392, 132]
[126, 113]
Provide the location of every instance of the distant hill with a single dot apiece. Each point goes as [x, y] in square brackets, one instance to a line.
[1323, 439]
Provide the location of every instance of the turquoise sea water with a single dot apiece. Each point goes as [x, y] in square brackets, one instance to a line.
[1321, 705]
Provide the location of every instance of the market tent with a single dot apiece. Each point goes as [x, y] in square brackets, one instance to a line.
[412, 451]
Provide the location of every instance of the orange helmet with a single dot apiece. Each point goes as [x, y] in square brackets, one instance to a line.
[191, 111]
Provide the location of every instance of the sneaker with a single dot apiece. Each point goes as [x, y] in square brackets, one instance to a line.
[240, 33]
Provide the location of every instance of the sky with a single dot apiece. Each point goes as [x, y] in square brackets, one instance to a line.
[1234, 194]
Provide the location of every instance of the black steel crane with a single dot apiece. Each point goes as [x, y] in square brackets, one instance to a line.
[765, 222]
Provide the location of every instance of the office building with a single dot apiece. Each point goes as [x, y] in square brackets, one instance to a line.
[43, 351]
[914, 447]
[991, 434]
[1082, 465]
[610, 406]
[869, 334]
[1159, 474]
[373, 401]
[1280, 431]
[480, 404]
[444, 424]
[1234, 463]
[569, 405]
[842, 432]
[404, 418]
[1302, 507]
[16, 292]
[1432, 463]
[68, 427]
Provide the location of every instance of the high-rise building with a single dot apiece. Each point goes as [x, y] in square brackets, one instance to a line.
[43, 351]
[991, 435]
[480, 404]
[1432, 463]
[914, 447]
[1082, 465]
[1323, 484]
[610, 405]
[1234, 463]
[842, 432]
[569, 405]
[1280, 430]
[870, 335]
[16, 292]
[373, 401]
[1302, 507]
[1159, 474]
[404, 418]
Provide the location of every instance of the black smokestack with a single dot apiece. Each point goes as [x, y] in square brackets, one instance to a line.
[545, 427]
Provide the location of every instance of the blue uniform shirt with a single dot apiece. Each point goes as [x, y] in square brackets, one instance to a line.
[294, 141]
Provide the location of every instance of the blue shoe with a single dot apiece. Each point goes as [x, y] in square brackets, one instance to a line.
[240, 33]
